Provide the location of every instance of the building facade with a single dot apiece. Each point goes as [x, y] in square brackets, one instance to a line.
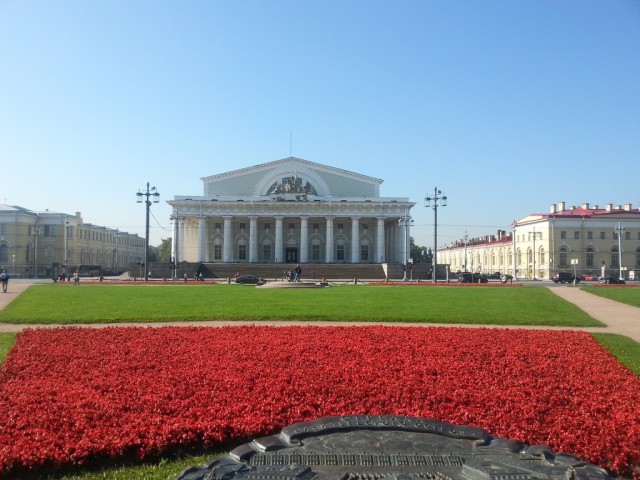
[585, 240]
[290, 211]
[42, 244]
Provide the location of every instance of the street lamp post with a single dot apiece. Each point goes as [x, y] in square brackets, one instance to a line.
[155, 196]
[406, 221]
[36, 232]
[619, 230]
[437, 196]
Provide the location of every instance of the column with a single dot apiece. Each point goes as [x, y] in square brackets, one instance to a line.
[380, 246]
[279, 252]
[253, 239]
[227, 248]
[174, 240]
[355, 239]
[329, 241]
[304, 239]
[202, 239]
[182, 238]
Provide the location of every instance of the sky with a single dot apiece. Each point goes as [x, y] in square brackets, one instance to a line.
[505, 106]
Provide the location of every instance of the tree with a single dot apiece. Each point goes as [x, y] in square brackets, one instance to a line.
[162, 252]
[418, 253]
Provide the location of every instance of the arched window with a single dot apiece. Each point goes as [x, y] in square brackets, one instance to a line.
[541, 256]
[590, 257]
[614, 257]
[509, 257]
[519, 257]
[563, 256]
[529, 255]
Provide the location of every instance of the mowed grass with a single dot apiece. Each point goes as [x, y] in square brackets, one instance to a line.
[619, 293]
[66, 304]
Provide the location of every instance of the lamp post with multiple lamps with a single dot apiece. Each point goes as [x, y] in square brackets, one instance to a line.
[155, 196]
[619, 231]
[466, 239]
[406, 221]
[432, 201]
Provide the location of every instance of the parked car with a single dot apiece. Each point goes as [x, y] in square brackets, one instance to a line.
[250, 280]
[612, 280]
[590, 277]
[564, 277]
[468, 277]
[494, 275]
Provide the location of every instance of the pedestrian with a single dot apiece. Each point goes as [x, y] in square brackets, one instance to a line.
[76, 278]
[298, 273]
[201, 277]
[185, 277]
[4, 279]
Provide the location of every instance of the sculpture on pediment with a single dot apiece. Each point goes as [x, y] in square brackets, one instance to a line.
[293, 185]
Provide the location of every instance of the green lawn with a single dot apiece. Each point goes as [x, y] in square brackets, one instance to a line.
[65, 304]
[624, 294]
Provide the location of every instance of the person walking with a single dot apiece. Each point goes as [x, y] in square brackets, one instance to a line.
[76, 278]
[298, 273]
[4, 279]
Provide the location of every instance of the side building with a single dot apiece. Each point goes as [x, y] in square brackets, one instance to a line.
[290, 211]
[45, 244]
[585, 239]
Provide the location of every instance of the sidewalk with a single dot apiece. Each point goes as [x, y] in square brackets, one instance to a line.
[618, 317]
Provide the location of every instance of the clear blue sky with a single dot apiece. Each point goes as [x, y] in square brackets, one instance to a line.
[507, 106]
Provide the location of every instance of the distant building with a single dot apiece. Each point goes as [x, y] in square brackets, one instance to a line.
[290, 211]
[586, 239]
[42, 244]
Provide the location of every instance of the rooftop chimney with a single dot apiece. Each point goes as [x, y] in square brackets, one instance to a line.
[561, 206]
[608, 207]
[552, 208]
[585, 206]
[627, 207]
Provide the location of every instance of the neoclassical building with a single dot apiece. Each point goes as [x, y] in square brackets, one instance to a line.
[290, 211]
[584, 239]
[43, 244]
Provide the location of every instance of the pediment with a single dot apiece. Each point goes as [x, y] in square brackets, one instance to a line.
[291, 175]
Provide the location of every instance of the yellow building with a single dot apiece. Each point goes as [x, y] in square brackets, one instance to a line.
[43, 244]
[585, 240]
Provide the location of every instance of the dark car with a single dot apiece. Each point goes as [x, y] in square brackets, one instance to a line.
[564, 277]
[612, 280]
[468, 277]
[250, 280]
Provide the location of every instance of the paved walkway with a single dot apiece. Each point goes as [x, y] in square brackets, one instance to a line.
[618, 317]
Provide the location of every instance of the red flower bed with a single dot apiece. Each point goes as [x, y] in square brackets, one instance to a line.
[427, 283]
[78, 396]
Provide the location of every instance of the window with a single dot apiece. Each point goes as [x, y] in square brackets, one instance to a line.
[364, 252]
[589, 235]
[3, 228]
[340, 253]
[530, 256]
[4, 253]
[563, 256]
[266, 252]
[217, 252]
[576, 235]
[365, 227]
[243, 226]
[638, 257]
[316, 227]
[218, 226]
[50, 230]
[292, 226]
[627, 235]
[340, 226]
[615, 235]
[603, 235]
[242, 252]
[614, 257]
[315, 252]
[267, 226]
[590, 257]
[563, 235]
[541, 256]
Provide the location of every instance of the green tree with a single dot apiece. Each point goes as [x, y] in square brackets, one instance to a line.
[419, 253]
[163, 251]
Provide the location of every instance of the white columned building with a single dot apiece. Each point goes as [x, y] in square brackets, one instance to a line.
[289, 211]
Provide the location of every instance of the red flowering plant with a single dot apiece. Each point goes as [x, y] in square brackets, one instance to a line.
[74, 396]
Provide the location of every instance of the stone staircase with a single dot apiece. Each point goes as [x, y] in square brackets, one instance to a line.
[310, 271]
